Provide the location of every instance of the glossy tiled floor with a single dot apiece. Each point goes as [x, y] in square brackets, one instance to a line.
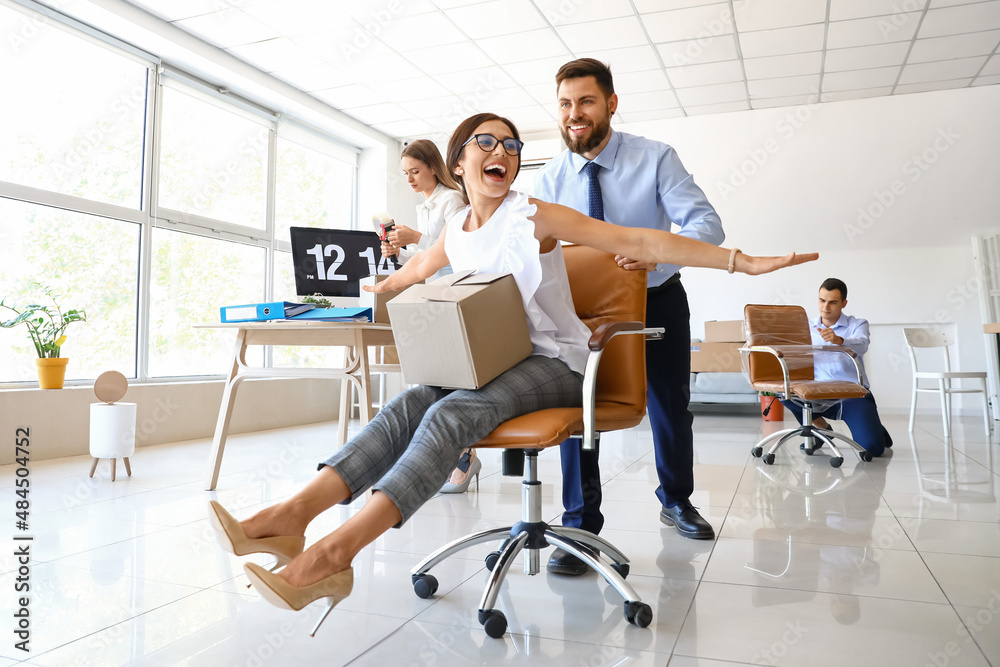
[893, 562]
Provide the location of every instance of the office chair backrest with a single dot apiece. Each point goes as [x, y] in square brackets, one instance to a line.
[604, 292]
[777, 325]
[919, 337]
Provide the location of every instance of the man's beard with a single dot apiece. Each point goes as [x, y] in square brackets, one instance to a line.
[588, 142]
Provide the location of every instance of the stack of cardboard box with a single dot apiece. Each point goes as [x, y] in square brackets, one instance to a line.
[720, 353]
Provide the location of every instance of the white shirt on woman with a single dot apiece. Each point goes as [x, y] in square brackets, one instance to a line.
[507, 244]
[432, 215]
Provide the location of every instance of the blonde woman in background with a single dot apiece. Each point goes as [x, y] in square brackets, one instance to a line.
[425, 172]
[424, 169]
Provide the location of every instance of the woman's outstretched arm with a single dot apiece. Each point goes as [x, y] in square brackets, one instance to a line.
[555, 222]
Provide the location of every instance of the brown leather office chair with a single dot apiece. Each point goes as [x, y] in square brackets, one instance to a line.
[780, 352]
[611, 302]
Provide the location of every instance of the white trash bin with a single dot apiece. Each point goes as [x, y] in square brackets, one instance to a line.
[112, 434]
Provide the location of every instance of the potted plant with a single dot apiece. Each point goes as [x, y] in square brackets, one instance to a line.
[46, 326]
[771, 409]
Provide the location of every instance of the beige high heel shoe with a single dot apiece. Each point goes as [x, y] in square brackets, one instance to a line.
[278, 592]
[232, 538]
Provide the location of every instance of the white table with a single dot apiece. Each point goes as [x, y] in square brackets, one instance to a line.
[357, 337]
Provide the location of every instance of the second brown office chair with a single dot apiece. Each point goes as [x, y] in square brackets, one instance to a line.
[780, 353]
[611, 302]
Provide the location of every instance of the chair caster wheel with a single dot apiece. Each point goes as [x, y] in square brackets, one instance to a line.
[768, 459]
[837, 461]
[424, 585]
[621, 568]
[491, 560]
[494, 622]
[638, 613]
[810, 450]
[757, 451]
[865, 456]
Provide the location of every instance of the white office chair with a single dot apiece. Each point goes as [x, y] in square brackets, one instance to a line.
[923, 338]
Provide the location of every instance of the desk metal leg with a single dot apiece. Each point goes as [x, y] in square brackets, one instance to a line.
[365, 389]
[226, 412]
[344, 416]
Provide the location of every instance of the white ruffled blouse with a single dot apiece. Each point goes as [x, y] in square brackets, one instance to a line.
[507, 244]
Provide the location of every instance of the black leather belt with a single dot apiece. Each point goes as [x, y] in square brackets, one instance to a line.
[672, 280]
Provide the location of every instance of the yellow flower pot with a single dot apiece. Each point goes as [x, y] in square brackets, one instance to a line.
[51, 372]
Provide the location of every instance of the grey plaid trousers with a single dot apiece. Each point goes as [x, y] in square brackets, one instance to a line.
[411, 446]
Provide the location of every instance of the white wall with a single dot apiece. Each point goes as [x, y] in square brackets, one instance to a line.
[166, 412]
[889, 190]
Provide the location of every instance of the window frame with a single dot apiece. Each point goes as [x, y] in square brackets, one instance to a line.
[150, 215]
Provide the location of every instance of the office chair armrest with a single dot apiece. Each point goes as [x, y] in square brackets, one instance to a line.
[778, 351]
[604, 333]
[846, 350]
[598, 341]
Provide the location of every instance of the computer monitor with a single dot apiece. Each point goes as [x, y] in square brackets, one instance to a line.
[332, 261]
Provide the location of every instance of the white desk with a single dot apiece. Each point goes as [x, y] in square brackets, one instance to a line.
[357, 337]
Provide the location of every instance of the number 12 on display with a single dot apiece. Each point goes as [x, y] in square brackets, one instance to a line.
[319, 251]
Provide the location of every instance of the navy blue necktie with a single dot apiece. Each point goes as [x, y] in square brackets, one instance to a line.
[595, 200]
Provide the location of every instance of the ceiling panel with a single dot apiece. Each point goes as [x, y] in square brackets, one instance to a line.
[708, 49]
[710, 95]
[841, 10]
[954, 46]
[229, 27]
[614, 33]
[420, 31]
[705, 75]
[961, 19]
[496, 17]
[860, 78]
[673, 26]
[801, 39]
[774, 67]
[557, 12]
[763, 15]
[862, 57]
[524, 46]
[792, 85]
[420, 66]
[940, 71]
[869, 31]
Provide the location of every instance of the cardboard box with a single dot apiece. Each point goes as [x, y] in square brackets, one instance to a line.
[724, 331]
[460, 331]
[377, 302]
[711, 357]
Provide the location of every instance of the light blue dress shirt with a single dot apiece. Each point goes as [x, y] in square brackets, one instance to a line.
[837, 365]
[643, 183]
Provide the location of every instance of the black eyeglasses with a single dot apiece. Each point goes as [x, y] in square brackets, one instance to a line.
[488, 142]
